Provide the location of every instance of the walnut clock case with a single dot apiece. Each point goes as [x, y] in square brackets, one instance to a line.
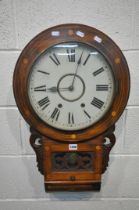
[71, 84]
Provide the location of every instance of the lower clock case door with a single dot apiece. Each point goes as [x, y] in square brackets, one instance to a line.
[62, 165]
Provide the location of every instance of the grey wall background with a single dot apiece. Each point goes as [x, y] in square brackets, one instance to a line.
[21, 185]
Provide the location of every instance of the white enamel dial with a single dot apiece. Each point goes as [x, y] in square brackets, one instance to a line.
[71, 86]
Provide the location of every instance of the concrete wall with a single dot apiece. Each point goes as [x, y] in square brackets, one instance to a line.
[21, 185]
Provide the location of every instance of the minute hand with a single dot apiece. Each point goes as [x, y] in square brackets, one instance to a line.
[78, 63]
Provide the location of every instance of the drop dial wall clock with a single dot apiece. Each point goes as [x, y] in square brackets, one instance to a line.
[71, 84]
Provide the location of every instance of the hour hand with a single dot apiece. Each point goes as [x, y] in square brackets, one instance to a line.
[55, 89]
[52, 89]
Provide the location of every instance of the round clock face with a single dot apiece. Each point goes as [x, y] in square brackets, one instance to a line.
[71, 86]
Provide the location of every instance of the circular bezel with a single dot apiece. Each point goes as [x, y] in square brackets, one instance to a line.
[70, 33]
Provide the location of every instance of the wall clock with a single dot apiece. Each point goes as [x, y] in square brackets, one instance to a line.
[71, 84]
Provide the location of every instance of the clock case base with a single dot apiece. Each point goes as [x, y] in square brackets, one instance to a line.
[49, 187]
[72, 170]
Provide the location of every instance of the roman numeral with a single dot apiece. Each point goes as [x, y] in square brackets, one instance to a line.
[55, 114]
[40, 88]
[70, 118]
[44, 102]
[71, 54]
[102, 87]
[86, 59]
[86, 113]
[98, 71]
[54, 59]
[43, 72]
[97, 103]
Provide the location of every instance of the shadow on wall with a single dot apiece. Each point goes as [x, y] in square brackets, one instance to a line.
[12, 119]
[120, 134]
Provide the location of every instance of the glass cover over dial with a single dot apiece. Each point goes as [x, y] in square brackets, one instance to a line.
[71, 86]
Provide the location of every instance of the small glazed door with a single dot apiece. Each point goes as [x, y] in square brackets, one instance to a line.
[72, 163]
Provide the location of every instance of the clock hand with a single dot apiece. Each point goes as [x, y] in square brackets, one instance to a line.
[78, 63]
[52, 89]
[55, 89]
[66, 88]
